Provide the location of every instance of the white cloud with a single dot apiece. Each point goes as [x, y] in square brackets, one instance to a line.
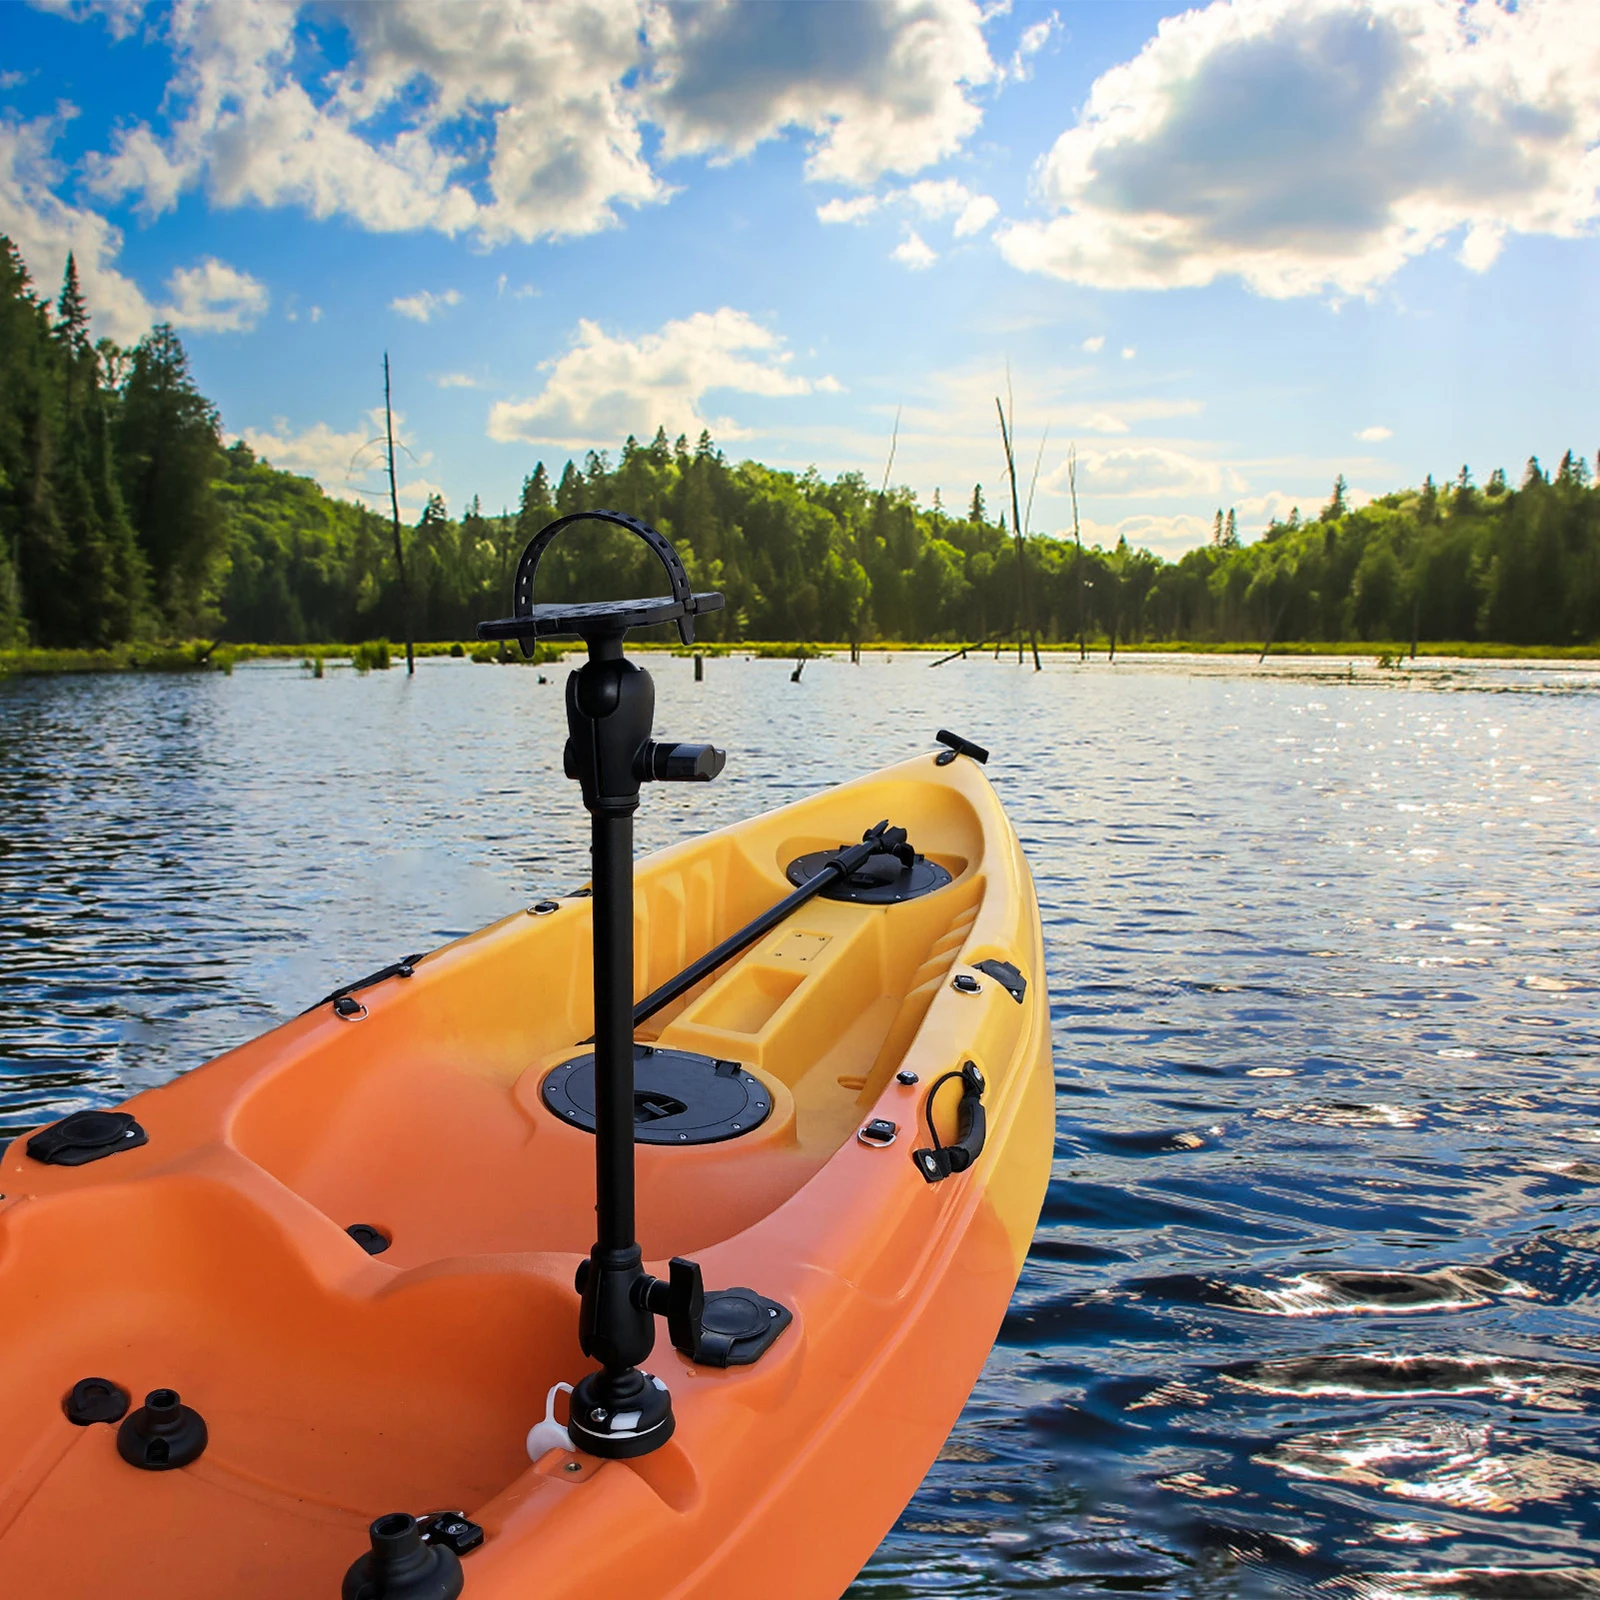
[45, 229]
[215, 298]
[604, 386]
[856, 209]
[456, 380]
[338, 461]
[1375, 435]
[316, 313]
[933, 199]
[1095, 344]
[976, 215]
[1128, 352]
[881, 85]
[512, 121]
[913, 251]
[209, 297]
[1317, 145]
[347, 465]
[1034, 38]
[1146, 472]
[421, 306]
[1104, 422]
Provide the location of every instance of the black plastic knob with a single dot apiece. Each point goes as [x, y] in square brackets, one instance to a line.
[682, 763]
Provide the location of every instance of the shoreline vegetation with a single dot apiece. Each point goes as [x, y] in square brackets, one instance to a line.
[129, 530]
[377, 654]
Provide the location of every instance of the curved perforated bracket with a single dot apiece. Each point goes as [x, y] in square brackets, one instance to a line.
[528, 621]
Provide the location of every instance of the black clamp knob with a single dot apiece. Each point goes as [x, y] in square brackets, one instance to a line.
[716, 1328]
[661, 761]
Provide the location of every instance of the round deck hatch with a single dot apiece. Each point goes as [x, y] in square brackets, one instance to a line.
[882, 881]
[679, 1097]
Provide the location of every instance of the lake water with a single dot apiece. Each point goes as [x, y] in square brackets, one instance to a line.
[1312, 1306]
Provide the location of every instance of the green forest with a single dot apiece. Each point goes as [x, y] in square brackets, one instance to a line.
[124, 516]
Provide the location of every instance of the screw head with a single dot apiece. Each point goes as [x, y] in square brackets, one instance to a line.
[573, 1466]
[600, 1415]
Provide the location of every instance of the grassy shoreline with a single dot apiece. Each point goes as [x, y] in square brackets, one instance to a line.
[201, 655]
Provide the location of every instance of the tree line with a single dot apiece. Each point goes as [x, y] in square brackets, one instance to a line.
[124, 515]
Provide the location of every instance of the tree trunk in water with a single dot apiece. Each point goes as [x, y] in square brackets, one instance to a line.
[394, 512]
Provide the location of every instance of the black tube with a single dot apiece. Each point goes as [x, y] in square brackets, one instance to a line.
[612, 852]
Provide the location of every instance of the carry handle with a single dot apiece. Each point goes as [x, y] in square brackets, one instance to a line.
[972, 1126]
[677, 576]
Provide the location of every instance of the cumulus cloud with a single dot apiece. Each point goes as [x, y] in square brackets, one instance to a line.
[606, 386]
[1310, 146]
[1148, 472]
[46, 229]
[881, 85]
[216, 298]
[914, 251]
[1034, 38]
[455, 380]
[856, 209]
[422, 306]
[1375, 435]
[511, 121]
[209, 297]
[1095, 343]
[346, 463]
[932, 200]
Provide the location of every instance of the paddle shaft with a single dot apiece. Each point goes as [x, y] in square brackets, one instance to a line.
[842, 865]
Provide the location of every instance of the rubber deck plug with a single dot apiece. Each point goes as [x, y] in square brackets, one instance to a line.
[401, 1567]
[95, 1400]
[373, 1240]
[86, 1136]
[162, 1434]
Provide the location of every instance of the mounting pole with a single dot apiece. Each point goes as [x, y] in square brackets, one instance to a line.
[620, 1411]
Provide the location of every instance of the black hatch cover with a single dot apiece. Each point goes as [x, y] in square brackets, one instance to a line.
[679, 1097]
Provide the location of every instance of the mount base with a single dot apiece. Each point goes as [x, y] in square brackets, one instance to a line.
[620, 1415]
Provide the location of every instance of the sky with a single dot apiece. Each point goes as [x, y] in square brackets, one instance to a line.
[1221, 254]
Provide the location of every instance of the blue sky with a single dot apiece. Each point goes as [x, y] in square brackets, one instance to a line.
[1226, 253]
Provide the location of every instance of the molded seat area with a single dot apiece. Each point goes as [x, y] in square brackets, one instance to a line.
[329, 1383]
[425, 1118]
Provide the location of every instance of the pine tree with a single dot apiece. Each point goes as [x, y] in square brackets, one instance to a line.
[169, 454]
[1230, 531]
[976, 511]
[1339, 502]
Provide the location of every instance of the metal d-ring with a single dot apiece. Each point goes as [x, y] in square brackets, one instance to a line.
[357, 1015]
[878, 1141]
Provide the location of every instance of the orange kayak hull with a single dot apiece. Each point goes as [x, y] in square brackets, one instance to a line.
[338, 1386]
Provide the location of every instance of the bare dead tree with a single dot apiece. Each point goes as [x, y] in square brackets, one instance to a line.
[1024, 609]
[394, 512]
[1077, 540]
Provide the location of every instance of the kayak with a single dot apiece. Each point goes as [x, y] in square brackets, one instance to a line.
[303, 1322]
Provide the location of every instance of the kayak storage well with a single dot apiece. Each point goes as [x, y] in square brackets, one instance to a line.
[224, 1261]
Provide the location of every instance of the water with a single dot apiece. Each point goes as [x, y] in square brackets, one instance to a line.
[1310, 1310]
